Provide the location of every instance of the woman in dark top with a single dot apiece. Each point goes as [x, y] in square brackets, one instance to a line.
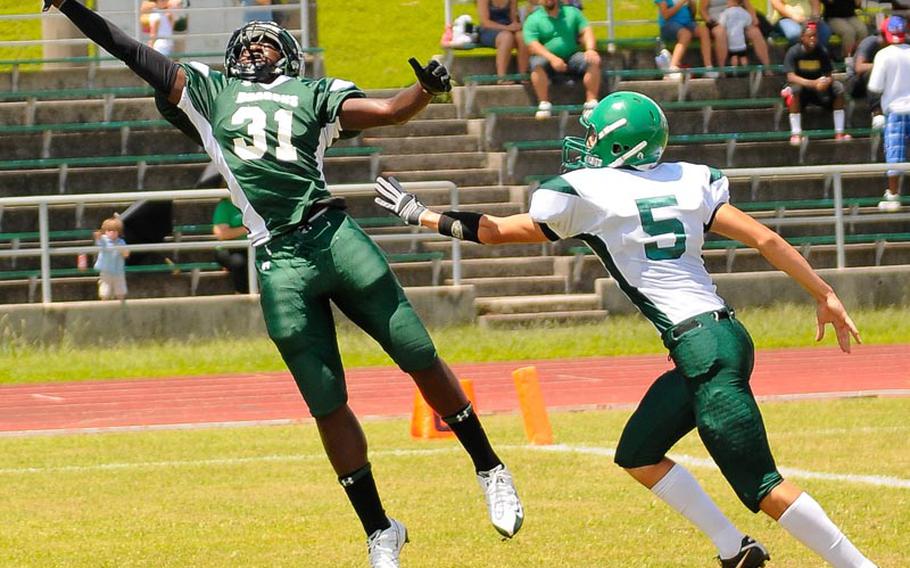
[841, 16]
[500, 28]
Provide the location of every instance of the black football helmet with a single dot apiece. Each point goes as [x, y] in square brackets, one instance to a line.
[290, 63]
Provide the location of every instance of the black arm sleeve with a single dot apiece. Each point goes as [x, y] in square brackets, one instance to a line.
[154, 68]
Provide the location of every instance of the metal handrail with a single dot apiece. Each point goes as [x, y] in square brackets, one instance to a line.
[135, 30]
[835, 171]
[45, 250]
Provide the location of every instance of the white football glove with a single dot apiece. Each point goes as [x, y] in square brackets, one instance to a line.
[878, 122]
[393, 197]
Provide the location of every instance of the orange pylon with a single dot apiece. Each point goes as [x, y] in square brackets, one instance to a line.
[426, 424]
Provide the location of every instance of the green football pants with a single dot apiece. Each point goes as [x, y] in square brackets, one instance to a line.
[708, 390]
[334, 260]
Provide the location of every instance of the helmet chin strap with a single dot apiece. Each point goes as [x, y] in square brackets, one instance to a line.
[632, 151]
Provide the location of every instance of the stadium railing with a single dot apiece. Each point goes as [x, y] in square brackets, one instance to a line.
[48, 249]
[564, 112]
[313, 58]
[372, 152]
[839, 240]
[730, 139]
[129, 20]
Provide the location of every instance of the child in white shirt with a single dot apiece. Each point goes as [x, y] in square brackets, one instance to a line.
[735, 19]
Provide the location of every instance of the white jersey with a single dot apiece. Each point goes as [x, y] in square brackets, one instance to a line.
[891, 77]
[647, 227]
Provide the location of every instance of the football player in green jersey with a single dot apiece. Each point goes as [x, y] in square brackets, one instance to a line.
[646, 220]
[266, 128]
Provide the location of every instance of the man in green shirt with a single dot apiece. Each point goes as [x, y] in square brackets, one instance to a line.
[267, 128]
[561, 42]
[227, 224]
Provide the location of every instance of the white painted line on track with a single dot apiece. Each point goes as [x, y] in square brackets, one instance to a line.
[691, 461]
[875, 480]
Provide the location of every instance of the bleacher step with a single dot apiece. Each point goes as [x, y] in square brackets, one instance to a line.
[418, 127]
[542, 318]
[424, 144]
[538, 304]
[472, 176]
[515, 285]
[447, 161]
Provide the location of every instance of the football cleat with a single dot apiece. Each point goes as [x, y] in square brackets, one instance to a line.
[385, 545]
[751, 555]
[506, 512]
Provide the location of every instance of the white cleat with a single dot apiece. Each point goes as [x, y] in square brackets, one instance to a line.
[506, 513]
[385, 545]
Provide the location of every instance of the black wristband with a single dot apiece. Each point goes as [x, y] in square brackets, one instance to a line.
[463, 225]
[154, 68]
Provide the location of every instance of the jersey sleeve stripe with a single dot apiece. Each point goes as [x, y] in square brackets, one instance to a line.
[558, 184]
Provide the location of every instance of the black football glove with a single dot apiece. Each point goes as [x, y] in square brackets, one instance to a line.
[434, 78]
[47, 5]
[394, 198]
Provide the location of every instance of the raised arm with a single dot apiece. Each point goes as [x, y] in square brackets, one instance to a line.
[152, 67]
[734, 224]
[465, 225]
[361, 113]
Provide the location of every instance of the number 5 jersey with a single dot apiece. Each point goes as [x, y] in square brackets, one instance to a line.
[646, 226]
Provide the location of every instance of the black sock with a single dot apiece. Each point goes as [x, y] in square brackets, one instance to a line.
[361, 489]
[469, 432]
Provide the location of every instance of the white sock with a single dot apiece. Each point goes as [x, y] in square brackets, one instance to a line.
[808, 523]
[680, 490]
[839, 120]
[796, 123]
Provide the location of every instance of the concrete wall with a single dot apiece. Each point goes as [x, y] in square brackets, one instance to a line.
[857, 287]
[182, 318]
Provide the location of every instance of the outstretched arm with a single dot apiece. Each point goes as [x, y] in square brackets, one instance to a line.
[360, 113]
[465, 225]
[734, 224]
[154, 68]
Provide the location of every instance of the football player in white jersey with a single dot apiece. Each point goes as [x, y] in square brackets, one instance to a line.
[647, 220]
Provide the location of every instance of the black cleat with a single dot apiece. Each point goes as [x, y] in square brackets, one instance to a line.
[751, 555]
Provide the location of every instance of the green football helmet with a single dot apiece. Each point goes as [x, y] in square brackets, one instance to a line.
[624, 129]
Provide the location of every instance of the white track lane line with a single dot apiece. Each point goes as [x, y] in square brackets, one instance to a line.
[691, 461]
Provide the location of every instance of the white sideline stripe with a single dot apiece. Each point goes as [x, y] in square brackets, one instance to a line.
[149, 427]
[874, 480]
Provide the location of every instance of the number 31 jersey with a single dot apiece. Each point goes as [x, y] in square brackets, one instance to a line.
[267, 140]
[647, 227]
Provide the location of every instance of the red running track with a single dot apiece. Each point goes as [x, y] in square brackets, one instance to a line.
[385, 391]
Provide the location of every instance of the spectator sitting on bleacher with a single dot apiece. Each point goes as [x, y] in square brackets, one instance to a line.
[858, 77]
[891, 77]
[161, 27]
[722, 35]
[791, 16]
[553, 34]
[111, 262]
[501, 28]
[809, 69]
[841, 16]
[260, 15]
[677, 24]
[227, 224]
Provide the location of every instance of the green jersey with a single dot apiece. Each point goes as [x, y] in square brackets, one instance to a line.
[268, 141]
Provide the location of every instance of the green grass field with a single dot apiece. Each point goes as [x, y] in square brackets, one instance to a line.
[265, 496]
[782, 326]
